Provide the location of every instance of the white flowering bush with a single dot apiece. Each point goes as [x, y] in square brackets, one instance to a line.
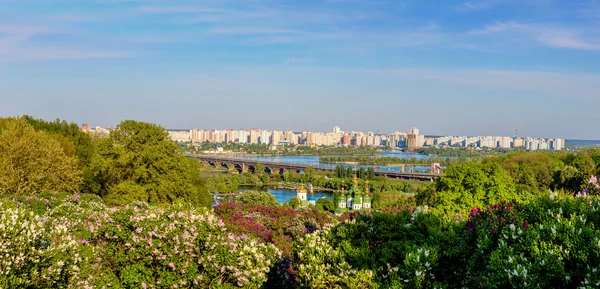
[319, 265]
[180, 247]
[32, 255]
[414, 272]
[68, 242]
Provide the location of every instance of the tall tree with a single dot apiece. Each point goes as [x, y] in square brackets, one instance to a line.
[469, 185]
[33, 161]
[139, 162]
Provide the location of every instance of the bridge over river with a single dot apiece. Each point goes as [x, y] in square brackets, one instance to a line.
[241, 165]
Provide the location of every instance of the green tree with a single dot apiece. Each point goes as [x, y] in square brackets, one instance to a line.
[309, 173]
[531, 169]
[139, 162]
[260, 169]
[569, 178]
[470, 185]
[33, 161]
[81, 142]
[295, 202]
[257, 198]
[325, 204]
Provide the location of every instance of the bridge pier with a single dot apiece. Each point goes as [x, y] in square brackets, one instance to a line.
[273, 170]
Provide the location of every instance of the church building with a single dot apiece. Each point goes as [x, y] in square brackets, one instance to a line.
[354, 200]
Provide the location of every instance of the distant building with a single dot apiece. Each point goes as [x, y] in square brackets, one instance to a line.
[518, 142]
[180, 135]
[336, 129]
[242, 136]
[254, 135]
[429, 141]
[276, 137]
[355, 200]
[264, 137]
[86, 128]
[414, 139]
[304, 197]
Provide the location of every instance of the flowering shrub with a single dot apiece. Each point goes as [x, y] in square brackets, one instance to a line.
[73, 243]
[55, 240]
[32, 255]
[178, 247]
[415, 272]
[319, 265]
[592, 187]
[277, 225]
[546, 243]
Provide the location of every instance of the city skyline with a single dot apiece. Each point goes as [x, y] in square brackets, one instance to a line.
[452, 67]
[411, 140]
[339, 129]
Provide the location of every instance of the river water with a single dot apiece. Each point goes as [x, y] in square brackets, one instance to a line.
[314, 161]
[282, 195]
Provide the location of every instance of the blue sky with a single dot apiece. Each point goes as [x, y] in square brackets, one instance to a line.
[448, 67]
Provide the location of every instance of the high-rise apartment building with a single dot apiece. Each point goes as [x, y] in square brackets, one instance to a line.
[242, 136]
[291, 137]
[505, 142]
[276, 137]
[518, 142]
[264, 137]
[254, 135]
[414, 139]
[336, 129]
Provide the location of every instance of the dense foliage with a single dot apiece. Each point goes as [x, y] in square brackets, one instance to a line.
[70, 240]
[139, 162]
[256, 198]
[273, 224]
[33, 161]
[74, 241]
[521, 220]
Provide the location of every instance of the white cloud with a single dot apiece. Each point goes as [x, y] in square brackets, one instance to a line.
[498, 27]
[567, 40]
[251, 30]
[26, 54]
[298, 60]
[177, 9]
[470, 6]
[15, 46]
[544, 34]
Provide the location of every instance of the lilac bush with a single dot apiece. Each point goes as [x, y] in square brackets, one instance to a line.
[75, 243]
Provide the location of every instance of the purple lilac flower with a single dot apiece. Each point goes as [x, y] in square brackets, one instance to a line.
[470, 226]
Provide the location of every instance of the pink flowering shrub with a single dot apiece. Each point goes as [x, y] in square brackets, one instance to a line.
[181, 247]
[272, 224]
[591, 188]
[74, 242]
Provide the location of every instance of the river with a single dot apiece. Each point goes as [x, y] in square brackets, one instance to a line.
[314, 161]
[282, 195]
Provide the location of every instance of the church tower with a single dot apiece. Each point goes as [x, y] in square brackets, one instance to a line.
[358, 197]
[367, 198]
[302, 196]
[341, 203]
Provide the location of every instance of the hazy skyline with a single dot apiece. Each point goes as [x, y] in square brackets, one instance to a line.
[449, 68]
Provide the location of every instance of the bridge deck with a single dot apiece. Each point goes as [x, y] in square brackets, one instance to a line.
[288, 166]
